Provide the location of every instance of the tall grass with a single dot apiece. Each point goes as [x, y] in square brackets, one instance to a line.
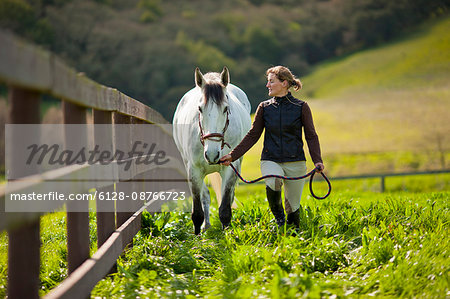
[355, 244]
[3, 263]
[53, 251]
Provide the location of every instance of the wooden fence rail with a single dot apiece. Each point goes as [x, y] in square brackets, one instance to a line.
[29, 72]
[383, 176]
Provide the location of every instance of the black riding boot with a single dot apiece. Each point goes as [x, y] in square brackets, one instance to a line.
[276, 206]
[294, 218]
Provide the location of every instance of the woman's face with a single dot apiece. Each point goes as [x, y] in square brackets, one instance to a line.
[276, 87]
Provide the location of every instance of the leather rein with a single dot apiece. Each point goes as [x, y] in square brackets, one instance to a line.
[220, 137]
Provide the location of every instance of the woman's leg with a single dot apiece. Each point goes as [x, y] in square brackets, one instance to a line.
[273, 190]
[293, 189]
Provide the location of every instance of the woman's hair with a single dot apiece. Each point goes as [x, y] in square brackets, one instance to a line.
[283, 73]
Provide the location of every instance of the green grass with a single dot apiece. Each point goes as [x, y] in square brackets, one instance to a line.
[3, 263]
[356, 244]
[53, 251]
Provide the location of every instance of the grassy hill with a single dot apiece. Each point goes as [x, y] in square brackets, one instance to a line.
[417, 61]
[383, 109]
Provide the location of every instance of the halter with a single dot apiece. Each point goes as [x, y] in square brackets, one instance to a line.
[214, 136]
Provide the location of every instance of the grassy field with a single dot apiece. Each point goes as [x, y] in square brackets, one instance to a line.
[355, 244]
[358, 242]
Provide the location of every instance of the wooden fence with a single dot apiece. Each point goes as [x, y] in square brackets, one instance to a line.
[29, 72]
[383, 176]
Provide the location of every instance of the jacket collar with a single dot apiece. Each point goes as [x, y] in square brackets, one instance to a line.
[286, 97]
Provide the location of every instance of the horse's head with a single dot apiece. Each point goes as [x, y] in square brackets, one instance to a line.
[213, 112]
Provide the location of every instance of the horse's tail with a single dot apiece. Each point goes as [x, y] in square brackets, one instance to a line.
[216, 183]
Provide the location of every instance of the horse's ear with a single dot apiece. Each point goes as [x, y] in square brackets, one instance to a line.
[198, 77]
[225, 76]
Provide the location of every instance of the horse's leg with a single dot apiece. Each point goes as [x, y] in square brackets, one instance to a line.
[206, 201]
[196, 184]
[228, 184]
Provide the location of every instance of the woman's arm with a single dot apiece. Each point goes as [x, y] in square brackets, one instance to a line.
[312, 139]
[248, 141]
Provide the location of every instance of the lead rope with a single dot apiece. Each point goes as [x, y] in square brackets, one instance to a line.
[309, 174]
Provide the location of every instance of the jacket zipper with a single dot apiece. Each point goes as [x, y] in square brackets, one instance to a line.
[281, 136]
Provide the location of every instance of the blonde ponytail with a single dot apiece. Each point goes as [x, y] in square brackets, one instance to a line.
[297, 84]
[283, 73]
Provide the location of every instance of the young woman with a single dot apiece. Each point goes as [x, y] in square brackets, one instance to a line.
[283, 117]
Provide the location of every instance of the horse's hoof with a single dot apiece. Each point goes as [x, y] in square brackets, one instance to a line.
[197, 230]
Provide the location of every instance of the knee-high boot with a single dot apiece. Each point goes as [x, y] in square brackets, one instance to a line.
[276, 206]
[294, 218]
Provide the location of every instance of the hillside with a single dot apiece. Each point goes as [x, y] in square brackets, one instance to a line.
[149, 49]
[417, 61]
[394, 98]
[384, 109]
[391, 98]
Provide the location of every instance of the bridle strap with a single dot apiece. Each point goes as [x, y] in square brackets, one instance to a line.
[214, 136]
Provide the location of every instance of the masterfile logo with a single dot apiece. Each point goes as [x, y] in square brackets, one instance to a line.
[48, 165]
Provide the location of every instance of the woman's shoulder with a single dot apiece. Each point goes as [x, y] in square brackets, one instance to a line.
[293, 100]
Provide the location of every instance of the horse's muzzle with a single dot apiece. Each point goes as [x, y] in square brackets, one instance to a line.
[212, 158]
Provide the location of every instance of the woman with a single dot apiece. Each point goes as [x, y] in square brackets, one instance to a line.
[283, 118]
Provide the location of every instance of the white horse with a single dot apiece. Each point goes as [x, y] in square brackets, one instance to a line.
[209, 121]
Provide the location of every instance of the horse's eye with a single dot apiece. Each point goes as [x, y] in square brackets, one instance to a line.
[200, 109]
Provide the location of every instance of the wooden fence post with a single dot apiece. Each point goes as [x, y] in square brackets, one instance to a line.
[137, 184]
[77, 222]
[106, 216]
[24, 241]
[122, 140]
[106, 221]
[382, 183]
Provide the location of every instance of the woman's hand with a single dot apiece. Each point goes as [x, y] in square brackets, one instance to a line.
[319, 167]
[226, 160]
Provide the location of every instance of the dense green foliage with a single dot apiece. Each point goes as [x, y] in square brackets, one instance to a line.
[149, 48]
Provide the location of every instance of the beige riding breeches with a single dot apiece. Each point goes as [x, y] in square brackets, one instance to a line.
[292, 188]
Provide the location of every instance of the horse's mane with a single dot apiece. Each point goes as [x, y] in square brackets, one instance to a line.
[213, 89]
